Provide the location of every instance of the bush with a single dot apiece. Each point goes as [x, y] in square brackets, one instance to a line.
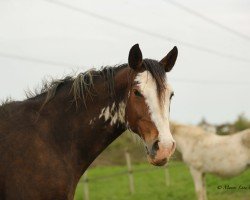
[241, 123]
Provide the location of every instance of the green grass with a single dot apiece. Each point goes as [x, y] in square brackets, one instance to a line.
[151, 184]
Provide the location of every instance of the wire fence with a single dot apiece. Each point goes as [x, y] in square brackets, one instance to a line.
[129, 172]
[148, 32]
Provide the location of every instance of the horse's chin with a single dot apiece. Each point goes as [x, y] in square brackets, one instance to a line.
[157, 162]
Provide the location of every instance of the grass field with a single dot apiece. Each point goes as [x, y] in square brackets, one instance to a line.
[151, 185]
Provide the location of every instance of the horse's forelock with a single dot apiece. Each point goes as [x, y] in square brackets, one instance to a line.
[158, 73]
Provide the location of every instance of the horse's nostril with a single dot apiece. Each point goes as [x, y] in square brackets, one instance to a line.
[155, 146]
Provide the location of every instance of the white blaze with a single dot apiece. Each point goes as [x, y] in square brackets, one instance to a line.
[159, 114]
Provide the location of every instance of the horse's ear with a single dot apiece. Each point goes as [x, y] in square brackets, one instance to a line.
[135, 58]
[169, 60]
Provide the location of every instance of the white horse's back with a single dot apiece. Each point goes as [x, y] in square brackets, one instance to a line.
[211, 153]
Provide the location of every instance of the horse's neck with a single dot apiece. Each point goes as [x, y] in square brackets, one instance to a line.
[187, 136]
[85, 133]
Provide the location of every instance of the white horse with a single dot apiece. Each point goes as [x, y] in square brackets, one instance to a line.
[205, 152]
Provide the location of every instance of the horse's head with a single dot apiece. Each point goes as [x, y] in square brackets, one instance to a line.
[148, 103]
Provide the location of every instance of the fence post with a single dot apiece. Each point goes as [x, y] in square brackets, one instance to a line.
[167, 177]
[85, 186]
[130, 172]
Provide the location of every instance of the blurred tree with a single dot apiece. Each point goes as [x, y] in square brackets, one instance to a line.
[241, 123]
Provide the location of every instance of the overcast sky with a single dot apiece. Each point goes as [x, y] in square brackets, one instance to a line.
[205, 84]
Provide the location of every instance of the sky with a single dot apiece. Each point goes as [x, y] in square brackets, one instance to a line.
[206, 85]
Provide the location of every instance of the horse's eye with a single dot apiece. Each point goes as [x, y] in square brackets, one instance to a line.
[137, 93]
[171, 95]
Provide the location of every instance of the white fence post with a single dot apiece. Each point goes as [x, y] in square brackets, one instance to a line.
[130, 173]
[85, 186]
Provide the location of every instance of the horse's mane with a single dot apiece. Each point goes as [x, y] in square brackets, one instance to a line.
[189, 131]
[83, 83]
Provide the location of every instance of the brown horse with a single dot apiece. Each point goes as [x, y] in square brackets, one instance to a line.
[47, 141]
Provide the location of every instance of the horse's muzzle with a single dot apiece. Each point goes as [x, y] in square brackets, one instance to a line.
[159, 154]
